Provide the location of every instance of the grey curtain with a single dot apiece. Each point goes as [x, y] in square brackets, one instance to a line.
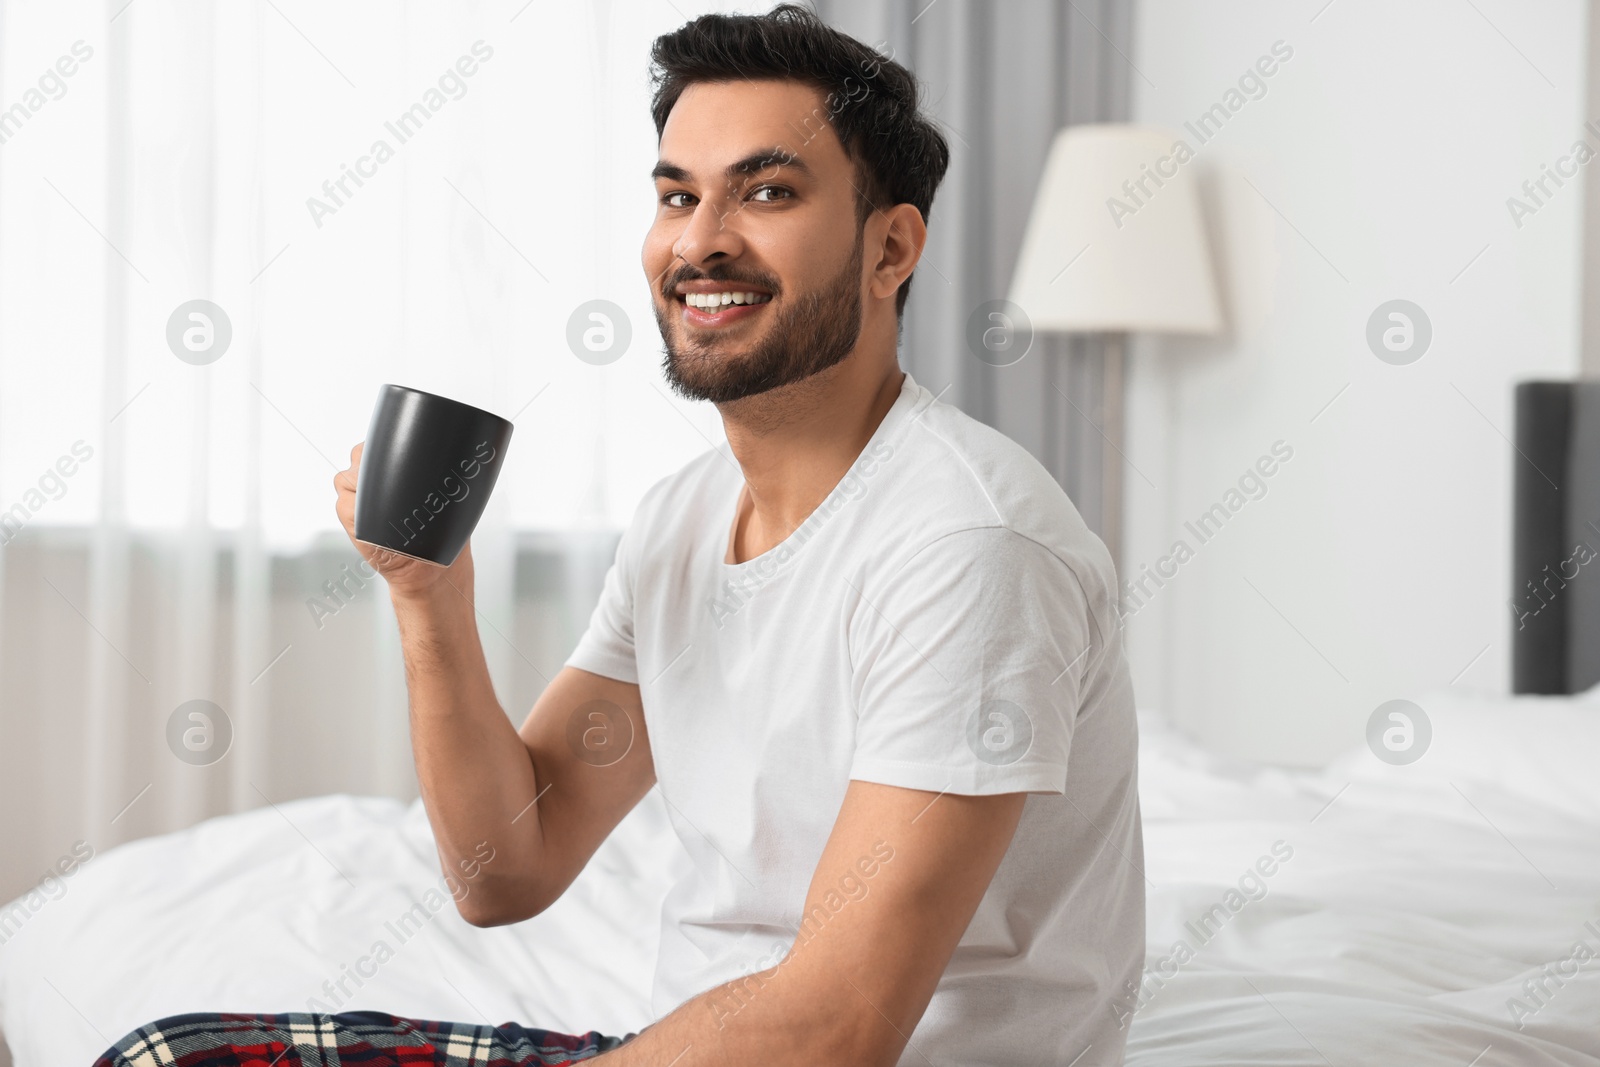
[1002, 77]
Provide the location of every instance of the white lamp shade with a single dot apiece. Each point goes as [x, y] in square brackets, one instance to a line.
[1120, 206]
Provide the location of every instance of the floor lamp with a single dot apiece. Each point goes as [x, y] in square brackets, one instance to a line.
[1115, 245]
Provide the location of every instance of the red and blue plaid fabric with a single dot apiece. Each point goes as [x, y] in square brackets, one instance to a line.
[348, 1039]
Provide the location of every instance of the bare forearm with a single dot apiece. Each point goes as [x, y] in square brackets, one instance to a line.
[476, 776]
[749, 1020]
[794, 1014]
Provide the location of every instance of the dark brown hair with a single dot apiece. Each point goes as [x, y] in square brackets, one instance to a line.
[871, 100]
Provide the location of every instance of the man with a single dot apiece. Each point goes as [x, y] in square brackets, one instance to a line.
[867, 651]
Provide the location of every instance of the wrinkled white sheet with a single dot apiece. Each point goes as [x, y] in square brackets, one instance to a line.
[1415, 903]
[250, 913]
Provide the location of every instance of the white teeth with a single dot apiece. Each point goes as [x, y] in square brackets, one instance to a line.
[716, 300]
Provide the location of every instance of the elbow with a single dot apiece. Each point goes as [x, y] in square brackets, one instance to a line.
[476, 914]
[481, 914]
[483, 906]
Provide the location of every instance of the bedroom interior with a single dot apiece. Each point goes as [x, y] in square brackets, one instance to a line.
[1353, 523]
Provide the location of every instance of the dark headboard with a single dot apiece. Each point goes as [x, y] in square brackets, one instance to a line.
[1555, 567]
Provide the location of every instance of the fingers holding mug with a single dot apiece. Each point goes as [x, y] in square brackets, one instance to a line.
[344, 485]
[422, 486]
[396, 568]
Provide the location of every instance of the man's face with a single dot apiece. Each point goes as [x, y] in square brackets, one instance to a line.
[782, 225]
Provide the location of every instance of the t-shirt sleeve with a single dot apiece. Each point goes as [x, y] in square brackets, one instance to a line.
[968, 667]
[606, 647]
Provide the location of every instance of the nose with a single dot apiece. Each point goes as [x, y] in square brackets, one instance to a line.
[708, 234]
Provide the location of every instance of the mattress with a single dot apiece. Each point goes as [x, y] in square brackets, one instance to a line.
[1447, 911]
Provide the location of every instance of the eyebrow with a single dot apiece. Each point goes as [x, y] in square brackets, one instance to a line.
[756, 161]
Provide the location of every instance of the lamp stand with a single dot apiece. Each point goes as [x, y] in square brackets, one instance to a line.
[1113, 348]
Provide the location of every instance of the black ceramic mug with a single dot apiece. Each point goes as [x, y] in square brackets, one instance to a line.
[427, 468]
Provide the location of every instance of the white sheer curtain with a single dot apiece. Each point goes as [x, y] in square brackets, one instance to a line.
[167, 522]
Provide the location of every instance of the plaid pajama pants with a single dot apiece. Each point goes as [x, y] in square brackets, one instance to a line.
[348, 1039]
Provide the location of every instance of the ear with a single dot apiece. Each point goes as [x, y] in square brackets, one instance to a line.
[899, 248]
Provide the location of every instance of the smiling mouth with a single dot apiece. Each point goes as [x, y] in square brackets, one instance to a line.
[715, 303]
[717, 309]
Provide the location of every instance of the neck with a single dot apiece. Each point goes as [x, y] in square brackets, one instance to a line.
[795, 443]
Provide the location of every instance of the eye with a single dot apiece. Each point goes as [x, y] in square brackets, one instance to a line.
[772, 189]
[667, 199]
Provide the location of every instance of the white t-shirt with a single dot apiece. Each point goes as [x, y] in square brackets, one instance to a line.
[943, 621]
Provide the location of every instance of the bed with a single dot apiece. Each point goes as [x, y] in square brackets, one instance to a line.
[1361, 914]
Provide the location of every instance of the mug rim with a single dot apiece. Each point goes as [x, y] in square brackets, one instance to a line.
[447, 399]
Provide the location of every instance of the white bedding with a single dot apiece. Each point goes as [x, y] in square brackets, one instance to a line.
[1410, 911]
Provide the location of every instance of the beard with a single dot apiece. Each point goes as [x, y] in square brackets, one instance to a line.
[815, 331]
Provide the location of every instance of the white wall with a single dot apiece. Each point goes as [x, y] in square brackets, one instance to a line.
[1377, 165]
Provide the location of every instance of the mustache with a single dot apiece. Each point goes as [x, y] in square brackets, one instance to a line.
[691, 275]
